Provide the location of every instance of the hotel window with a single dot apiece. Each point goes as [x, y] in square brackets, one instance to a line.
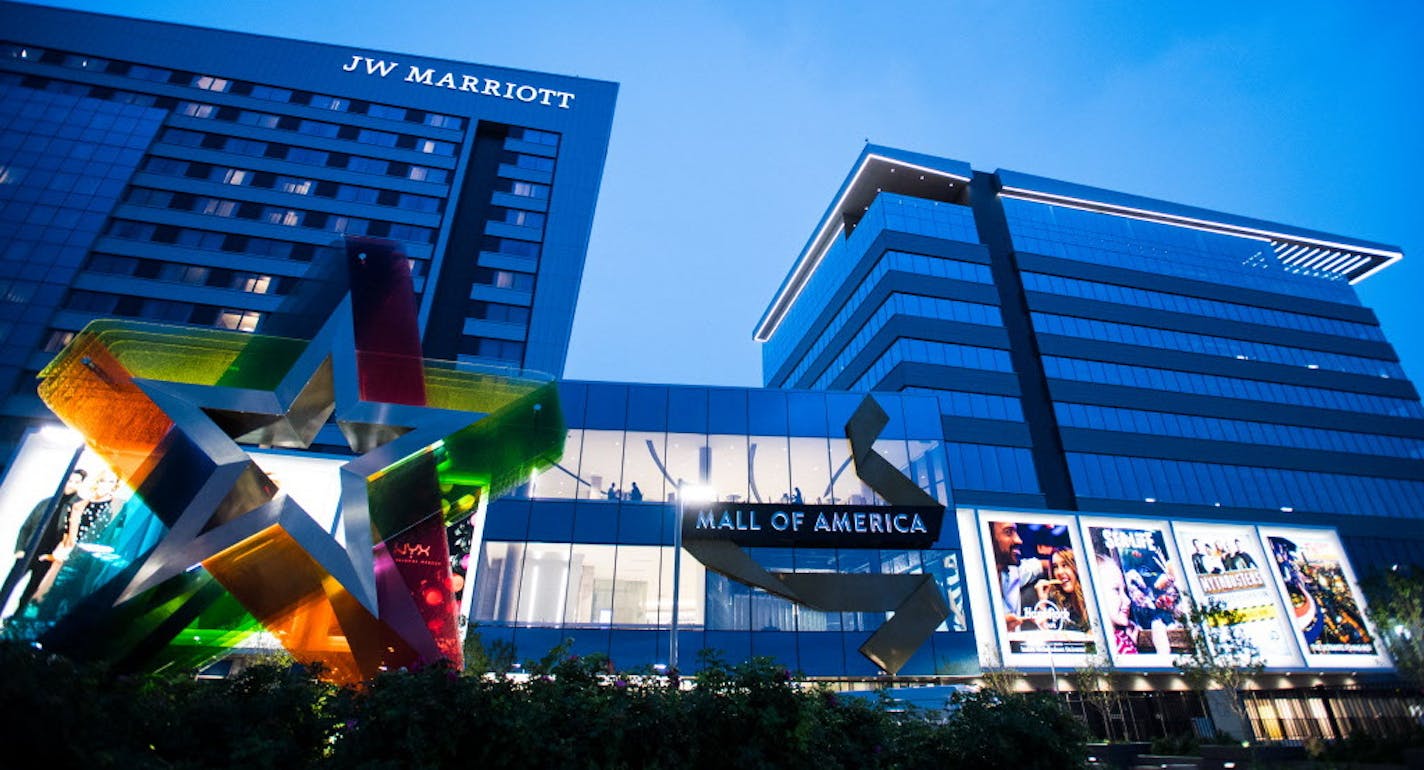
[522, 189]
[333, 103]
[536, 137]
[57, 339]
[443, 121]
[433, 147]
[253, 283]
[318, 128]
[499, 312]
[210, 83]
[155, 74]
[259, 119]
[238, 320]
[504, 279]
[426, 174]
[367, 165]
[377, 138]
[270, 93]
[510, 246]
[384, 111]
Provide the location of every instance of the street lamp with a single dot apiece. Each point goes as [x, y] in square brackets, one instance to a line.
[701, 494]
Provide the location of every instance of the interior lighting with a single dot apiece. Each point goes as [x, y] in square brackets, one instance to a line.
[1287, 509]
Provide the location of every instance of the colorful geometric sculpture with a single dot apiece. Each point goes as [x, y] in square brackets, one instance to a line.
[210, 542]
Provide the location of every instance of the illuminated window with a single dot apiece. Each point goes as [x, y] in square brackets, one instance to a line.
[218, 207]
[57, 339]
[238, 320]
[253, 283]
[237, 176]
[196, 110]
[294, 186]
[209, 83]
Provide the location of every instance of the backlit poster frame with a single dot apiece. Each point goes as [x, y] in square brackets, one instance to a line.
[1137, 589]
[1313, 573]
[1040, 635]
[1227, 562]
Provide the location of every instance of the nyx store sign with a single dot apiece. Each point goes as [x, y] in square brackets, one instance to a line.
[815, 526]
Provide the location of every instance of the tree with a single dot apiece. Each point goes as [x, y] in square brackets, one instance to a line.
[1094, 682]
[1001, 679]
[1396, 607]
[1220, 655]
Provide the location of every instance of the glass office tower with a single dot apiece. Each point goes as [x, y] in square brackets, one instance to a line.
[188, 175]
[1095, 351]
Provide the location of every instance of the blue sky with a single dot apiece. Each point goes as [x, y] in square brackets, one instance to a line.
[737, 121]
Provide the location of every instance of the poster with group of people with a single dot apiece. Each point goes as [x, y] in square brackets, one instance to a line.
[1064, 588]
[1227, 566]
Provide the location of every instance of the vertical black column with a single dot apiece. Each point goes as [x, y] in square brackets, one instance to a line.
[1049, 462]
[457, 271]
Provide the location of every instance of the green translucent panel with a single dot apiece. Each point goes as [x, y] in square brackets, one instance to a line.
[215, 633]
[502, 450]
[196, 356]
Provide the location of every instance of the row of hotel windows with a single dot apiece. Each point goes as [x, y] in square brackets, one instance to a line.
[1229, 387]
[316, 128]
[211, 240]
[1178, 303]
[1213, 346]
[182, 137]
[583, 585]
[912, 306]
[266, 180]
[1162, 249]
[236, 87]
[608, 464]
[105, 304]
[272, 215]
[1174, 481]
[783, 343]
[199, 275]
[1242, 431]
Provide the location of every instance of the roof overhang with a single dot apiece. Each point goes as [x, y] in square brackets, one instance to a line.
[1297, 251]
[875, 173]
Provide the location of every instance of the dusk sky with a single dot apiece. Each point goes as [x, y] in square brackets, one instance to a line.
[737, 121]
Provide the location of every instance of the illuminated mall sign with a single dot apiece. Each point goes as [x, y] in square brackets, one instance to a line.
[815, 526]
[459, 81]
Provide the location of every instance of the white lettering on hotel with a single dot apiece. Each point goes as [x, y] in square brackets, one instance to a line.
[429, 76]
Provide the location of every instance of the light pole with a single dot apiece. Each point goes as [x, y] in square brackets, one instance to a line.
[701, 494]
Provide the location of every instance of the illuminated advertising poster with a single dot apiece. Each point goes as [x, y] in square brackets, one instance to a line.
[1036, 589]
[67, 523]
[1138, 585]
[1326, 608]
[1224, 563]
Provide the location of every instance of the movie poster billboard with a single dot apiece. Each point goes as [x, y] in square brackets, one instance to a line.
[1138, 586]
[1326, 608]
[1226, 564]
[1036, 590]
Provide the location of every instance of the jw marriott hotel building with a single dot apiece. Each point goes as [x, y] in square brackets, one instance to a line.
[1004, 420]
[188, 176]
